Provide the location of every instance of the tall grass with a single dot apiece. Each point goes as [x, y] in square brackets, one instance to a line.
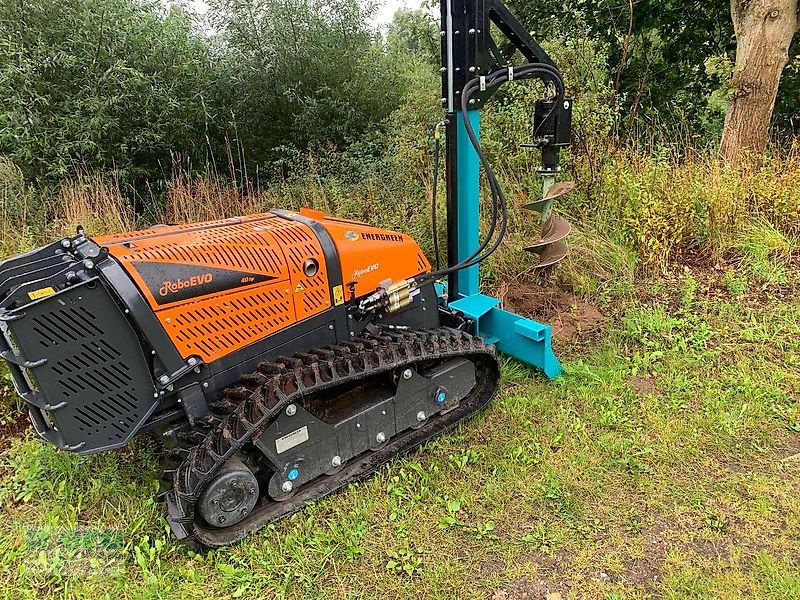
[631, 211]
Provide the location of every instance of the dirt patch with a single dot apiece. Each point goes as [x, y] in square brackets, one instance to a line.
[644, 385]
[568, 316]
[530, 589]
[13, 430]
[791, 453]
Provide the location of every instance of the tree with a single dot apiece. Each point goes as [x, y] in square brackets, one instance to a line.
[657, 51]
[764, 31]
[90, 85]
[294, 74]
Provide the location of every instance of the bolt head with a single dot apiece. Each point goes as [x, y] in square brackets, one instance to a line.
[65, 243]
[222, 518]
[88, 264]
[380, 438]
[421, 416]
[193, 361]
[164, 379]
[291, 410]
[407, 374]
[336, 461]
[287, 487]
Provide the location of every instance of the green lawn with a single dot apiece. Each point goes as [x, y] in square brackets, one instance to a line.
[664, 463]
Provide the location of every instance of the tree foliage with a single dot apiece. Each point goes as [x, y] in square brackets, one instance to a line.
[112, 84]
[658, 52]
[300, 73]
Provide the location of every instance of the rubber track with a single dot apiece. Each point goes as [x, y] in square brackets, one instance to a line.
[254, 403]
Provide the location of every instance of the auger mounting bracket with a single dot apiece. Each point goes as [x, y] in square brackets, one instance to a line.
[468, 50]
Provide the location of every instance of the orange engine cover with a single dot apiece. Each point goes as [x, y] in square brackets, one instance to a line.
[219, 286]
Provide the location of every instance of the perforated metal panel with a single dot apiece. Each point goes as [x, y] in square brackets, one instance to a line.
[89, 371]
[234, 321]
[299, 244]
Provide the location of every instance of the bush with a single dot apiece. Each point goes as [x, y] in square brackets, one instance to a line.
[114, 84]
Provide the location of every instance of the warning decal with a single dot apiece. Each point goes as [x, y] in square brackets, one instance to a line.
[338, 295]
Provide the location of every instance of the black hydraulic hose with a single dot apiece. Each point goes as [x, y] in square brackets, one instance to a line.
[499, 204]
[498, 198]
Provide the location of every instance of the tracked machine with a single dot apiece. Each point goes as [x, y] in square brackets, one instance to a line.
[280, 356]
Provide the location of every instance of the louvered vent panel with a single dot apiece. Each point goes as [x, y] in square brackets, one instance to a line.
[422, 262]
[238, 319]
[251, 253]
[311, 294]
[92, 380]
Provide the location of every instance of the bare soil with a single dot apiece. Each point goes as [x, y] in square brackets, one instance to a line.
[644, 385]
[14, 429]
[568, 316]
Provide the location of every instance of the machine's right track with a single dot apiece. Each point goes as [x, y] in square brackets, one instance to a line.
[259, 398]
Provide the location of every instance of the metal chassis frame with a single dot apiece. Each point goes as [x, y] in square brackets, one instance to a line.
[468, 50]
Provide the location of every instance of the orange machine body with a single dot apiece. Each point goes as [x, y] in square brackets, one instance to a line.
[218, 286]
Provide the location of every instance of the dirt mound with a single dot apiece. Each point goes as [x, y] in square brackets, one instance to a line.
[568, 316]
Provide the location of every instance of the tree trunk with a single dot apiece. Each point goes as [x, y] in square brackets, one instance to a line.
[764, 30]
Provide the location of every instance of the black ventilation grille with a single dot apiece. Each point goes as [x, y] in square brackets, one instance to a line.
[95, 378]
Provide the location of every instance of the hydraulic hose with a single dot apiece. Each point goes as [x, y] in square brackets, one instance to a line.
[541, 71]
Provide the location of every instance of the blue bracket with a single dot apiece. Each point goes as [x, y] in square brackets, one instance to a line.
[522, 338]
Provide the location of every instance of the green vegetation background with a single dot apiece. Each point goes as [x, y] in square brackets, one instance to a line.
[663, 464]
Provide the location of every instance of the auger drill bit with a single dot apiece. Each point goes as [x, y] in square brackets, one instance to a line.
[551, 246]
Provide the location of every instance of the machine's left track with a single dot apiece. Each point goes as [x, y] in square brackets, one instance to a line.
[259, 399]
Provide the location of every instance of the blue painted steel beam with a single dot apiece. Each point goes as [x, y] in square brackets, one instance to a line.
[524, 339]
[468, 197]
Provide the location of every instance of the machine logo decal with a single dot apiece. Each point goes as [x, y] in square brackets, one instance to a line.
[382, 237]
[175, 282]
[351, 235]
[359, 272]
[172, 287]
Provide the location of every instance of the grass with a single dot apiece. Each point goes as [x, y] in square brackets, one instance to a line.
[664, 463]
